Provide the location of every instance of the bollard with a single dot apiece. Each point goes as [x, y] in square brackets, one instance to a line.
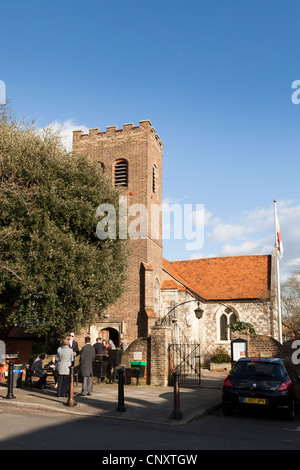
[121, 406]
[71, 401]
[176, 414]
[10, 381]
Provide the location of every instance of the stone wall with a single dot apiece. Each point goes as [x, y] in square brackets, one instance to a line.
[258, 313]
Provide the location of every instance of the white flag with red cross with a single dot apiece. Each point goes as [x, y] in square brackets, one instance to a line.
[278, 244]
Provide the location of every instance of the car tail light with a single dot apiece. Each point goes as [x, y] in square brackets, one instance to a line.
[227, 382]
[285, 385]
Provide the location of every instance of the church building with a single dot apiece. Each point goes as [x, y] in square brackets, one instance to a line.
[229, 289]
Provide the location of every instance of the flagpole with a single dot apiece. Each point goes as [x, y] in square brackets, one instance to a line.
[278, 276]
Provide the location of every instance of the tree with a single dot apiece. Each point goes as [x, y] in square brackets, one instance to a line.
[55, 273]
[290, 297]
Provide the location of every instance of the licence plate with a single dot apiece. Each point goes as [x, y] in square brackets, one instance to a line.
[256, 401]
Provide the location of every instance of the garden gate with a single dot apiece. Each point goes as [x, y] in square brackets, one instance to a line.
[185, 359]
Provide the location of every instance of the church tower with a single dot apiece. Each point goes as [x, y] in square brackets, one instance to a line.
[132, 158]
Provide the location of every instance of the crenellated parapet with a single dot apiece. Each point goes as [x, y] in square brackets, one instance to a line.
[145, 127]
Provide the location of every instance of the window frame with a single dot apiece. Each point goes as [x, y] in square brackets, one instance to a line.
[230, 316]
[116, 163]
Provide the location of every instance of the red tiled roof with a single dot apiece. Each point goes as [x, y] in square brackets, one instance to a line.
[171, 284]
[228, 278]
[150, 313]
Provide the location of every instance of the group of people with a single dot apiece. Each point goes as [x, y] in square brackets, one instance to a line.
[103, 346]
[65, 358]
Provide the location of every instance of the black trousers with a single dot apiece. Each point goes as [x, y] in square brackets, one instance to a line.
[41, 383]
[63, 385]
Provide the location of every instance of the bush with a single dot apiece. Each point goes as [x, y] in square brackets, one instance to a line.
[220, 358]
[241, 325]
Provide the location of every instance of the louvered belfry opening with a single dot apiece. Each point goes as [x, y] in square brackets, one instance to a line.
[121, 173]
[154, 177]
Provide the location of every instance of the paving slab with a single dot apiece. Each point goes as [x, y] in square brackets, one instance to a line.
[142, 403]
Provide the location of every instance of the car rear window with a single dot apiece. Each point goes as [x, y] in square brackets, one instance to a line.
[259, 369]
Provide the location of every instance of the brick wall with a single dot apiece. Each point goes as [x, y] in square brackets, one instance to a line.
[21, 347]
[265, 346]
[140, 345]
[142, 148]
[160, 340]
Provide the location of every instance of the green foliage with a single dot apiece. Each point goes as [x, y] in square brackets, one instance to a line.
[220, 358]
[290, 298]
[55, 274]
[241, 325]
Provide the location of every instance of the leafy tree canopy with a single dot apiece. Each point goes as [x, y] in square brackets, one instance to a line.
[290, 298]
[55, 274]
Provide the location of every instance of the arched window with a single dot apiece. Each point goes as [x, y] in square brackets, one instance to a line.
[226, 317]
[223, 328]
[156, 296]
[232, 319]
[121, 173]
[154, 179]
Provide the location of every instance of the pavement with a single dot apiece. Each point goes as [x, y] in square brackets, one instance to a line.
[143, 403]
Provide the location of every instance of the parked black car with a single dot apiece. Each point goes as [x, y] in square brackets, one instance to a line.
[261, 383]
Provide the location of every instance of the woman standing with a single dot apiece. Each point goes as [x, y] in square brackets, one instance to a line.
[64, 360]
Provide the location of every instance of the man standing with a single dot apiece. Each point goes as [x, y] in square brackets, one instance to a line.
[87, 356]
[73, 344]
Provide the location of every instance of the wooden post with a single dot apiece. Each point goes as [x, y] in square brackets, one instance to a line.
[71, 401]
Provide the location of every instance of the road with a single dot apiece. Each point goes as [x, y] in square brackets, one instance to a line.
[21, 429]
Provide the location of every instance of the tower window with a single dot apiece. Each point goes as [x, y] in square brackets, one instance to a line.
[154, 178]
[156, 296]
[121, 173]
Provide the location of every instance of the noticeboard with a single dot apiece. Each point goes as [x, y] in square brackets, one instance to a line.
[137, 356]
[238, 349]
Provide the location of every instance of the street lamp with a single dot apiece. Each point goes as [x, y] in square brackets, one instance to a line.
[198, 311]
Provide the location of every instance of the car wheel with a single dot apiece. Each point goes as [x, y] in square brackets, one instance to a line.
[291, 411]
[228, 410]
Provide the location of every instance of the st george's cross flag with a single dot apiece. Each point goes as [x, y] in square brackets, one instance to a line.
[278, 243]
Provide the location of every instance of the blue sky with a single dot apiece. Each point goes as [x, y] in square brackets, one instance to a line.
[214, 78]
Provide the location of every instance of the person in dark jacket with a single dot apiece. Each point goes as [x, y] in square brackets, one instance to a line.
[73, 345]
[87, 356]
[38, 371]
[99, 347]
